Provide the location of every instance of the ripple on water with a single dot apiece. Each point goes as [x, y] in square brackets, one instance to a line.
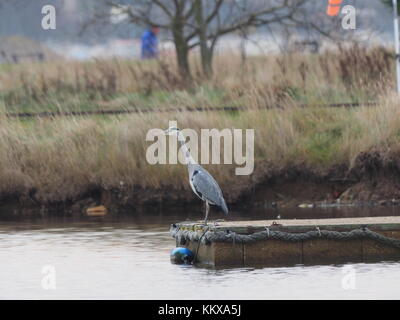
[131, 261]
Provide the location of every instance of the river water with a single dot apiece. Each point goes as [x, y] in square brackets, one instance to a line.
[118, 257]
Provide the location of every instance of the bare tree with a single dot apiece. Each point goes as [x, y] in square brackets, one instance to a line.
[200, 23]
[237, 16]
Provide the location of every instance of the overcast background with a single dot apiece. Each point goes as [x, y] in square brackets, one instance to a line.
[23, 18]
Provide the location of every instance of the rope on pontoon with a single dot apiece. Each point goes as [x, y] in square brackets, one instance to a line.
[209, 236]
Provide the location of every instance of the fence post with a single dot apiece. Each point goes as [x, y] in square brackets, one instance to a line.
[396, 42]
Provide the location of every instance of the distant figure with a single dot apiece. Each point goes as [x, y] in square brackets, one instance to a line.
[150, 43]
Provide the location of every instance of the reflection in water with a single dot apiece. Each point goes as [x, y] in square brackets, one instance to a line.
[120, 258]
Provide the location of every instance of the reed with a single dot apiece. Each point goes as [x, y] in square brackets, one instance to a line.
[61, 159]
[351, 74]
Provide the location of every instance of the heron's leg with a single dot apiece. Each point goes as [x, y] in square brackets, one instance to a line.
[207, 210]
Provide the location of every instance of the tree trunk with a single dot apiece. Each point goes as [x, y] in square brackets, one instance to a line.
[182, 56]
[206, 62]
[206, 52]
[182, 50]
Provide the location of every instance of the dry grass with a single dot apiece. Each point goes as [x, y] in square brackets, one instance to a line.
[352, 74]
[63, 158]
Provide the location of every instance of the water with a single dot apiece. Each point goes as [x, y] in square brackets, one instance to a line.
[125, 258]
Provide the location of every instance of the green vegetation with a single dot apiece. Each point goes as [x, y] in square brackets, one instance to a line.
[348, 75]
[64, 157]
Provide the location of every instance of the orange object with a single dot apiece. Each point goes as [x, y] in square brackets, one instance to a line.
[333, 7]
[97, 211]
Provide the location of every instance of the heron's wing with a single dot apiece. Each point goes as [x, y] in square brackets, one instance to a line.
[209, 189]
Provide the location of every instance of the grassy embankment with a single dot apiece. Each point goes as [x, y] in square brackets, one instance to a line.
[62, 159]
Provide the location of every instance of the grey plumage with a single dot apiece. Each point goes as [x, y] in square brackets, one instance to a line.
[205, 186]
[201, 181]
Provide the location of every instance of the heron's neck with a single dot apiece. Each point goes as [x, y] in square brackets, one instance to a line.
[188, 157]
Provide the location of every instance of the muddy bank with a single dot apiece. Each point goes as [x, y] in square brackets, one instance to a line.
[372, 181]
[384, 191]
[284, 191]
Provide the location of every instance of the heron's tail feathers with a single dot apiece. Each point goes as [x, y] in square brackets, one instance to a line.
[224, 207]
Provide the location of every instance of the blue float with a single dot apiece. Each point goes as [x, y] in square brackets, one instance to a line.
[181, 255]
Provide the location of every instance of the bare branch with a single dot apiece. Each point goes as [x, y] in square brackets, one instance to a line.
[215, 11]
[163, 7]
[138, 15]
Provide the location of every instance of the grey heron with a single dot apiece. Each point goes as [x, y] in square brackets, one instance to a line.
[201, 181]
